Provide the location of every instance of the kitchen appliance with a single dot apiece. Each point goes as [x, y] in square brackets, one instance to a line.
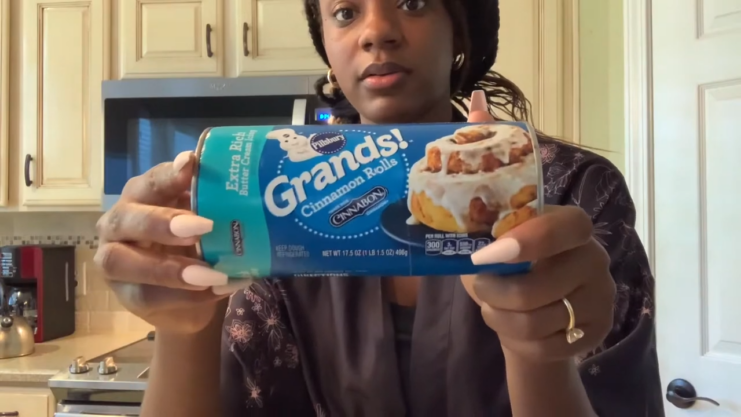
[149, 121]
[111, 384]
[16, 335]
[41, 284]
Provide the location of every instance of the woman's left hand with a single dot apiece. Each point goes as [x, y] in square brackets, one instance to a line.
[527, 311]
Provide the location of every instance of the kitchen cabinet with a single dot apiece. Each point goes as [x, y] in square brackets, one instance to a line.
[26, 402]
[60, 51]
[4, 98]
[273, 37]
[62, 66]
[212, 38]
[170, 38]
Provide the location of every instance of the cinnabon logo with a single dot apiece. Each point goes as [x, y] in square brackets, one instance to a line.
[328, 143]
[358, 206]
[237, 238]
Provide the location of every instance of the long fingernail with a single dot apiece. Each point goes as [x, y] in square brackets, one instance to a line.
[186, 225]
[502, 250]
[232, 286]
[202, 276]
[181, 160]
[478, 102]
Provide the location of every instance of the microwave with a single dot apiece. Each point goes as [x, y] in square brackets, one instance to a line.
[149, 121]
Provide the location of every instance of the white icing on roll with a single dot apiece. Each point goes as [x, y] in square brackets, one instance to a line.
[411, 221]
[505, 137]
[455, 191]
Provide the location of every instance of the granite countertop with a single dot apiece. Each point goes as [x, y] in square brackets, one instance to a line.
[56, 355]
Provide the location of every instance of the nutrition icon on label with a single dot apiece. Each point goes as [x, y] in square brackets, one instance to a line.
[433, 247]
[454, 246]
[480, 243]
[450, 247]
[465, 247]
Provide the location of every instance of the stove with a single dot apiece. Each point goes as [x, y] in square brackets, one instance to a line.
[111, 384]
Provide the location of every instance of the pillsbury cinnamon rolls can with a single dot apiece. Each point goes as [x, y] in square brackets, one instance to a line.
[363, 200]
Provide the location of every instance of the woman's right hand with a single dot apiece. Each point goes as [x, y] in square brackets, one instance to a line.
[147, 250]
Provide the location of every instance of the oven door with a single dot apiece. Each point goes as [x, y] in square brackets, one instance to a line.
[148, 122]
[85, 410]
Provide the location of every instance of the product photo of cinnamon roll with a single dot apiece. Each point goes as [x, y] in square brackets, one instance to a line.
[483, 178]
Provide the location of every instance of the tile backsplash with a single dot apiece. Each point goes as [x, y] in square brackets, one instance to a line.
[98, 310]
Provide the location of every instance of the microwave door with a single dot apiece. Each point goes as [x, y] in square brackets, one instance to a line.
[299, 112]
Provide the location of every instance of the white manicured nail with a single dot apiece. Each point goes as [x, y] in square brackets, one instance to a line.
[186, 225]
[181, 160]
[478, 102]
[202, 276]
[232, 286]
[502, 250]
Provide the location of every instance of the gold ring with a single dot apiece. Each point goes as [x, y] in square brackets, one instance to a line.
[572, 333]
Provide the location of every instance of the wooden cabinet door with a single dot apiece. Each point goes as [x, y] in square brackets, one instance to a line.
[273, 38]
[170, 38]
[62, 70]
[4, 97]
[26, 405]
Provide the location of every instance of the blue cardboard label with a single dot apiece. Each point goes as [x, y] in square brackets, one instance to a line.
[361, 200]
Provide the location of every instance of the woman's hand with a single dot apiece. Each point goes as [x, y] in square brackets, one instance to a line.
[527, 311]
[147, 251]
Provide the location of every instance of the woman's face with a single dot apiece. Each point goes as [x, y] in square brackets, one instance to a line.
[392, 58]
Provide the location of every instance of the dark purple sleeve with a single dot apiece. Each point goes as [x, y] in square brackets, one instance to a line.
[260, 372]
[621, 376]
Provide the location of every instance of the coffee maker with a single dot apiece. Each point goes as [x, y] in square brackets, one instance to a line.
[40, 281]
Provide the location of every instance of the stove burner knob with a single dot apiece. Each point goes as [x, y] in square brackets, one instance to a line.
[107, 367]
[79, 366]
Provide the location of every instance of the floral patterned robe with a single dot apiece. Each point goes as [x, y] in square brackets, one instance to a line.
[325, 346]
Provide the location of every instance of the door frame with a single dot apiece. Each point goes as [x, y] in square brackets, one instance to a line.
[639, 117]
[4, 100]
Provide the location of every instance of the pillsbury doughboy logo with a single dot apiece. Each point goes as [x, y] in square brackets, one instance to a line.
[297, 146]
[328, 143]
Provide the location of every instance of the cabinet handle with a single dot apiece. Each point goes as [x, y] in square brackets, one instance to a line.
[66, 282]
[245, 29]
[208, 40]
[27, 174]
[9, 414]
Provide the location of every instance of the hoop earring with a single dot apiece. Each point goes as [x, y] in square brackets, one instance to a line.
[458, 62]
[332, 80]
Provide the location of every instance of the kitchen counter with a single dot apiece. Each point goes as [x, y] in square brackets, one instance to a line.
[56, 355]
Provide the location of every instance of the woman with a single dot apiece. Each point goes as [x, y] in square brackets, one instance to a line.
[395, 346]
